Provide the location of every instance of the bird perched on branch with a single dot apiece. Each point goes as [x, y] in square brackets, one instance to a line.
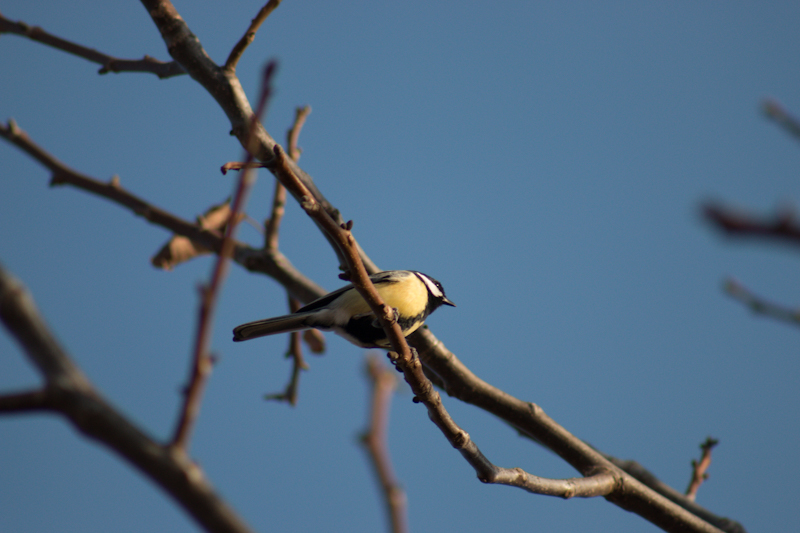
[413, 296]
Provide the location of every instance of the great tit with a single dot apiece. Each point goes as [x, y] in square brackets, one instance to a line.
[413, 296]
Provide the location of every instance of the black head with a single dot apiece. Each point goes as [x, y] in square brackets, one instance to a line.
[436, 296]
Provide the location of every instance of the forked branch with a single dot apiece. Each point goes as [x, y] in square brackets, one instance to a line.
[68, 392]
[600, 482]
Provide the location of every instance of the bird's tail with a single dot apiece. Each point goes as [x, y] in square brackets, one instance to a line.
[271, 326]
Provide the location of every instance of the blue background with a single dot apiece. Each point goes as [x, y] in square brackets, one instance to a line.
[545, 161]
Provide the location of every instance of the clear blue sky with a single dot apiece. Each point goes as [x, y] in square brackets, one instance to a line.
[545, 161]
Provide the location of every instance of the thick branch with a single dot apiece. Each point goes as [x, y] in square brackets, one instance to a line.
[24, 402]
[651, 481]
[530, 419]
[69, 392]
[109, 63]
[21, 317]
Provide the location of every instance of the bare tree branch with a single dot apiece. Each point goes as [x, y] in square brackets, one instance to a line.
[528, 418]
[293, 135]
[201, 360]
[774, 110]
[269, 262]
[24, 402]
[759, 305]
[456, 379]
[739, 224]
[249, 35]
[598, 481]
[227, 90]
[295, 351]
[109, 63]
[69, 393]
[651, 481]
[375, 441]
[449, 372]
[700, 468]
[272, 224]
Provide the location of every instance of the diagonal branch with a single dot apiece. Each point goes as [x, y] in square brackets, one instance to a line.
[109, 63]
[598, 482]
[759, 305]
[269, 262]
[202, 361]
[647, 478]
[249, 35]
[774, 110]
[531, 420]
[272, 224]
[227, 90]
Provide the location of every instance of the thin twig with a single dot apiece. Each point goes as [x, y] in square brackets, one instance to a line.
[202, 360]
[774, 110]
[271, 227]
[249, 35]
[739, 224]
[271, 263]
[272, 224]
[759, 305]
[700, 468]
[375, 441]
[109, 63]
[239, 165]
[295, 351]
[61, 174]
[293, 135]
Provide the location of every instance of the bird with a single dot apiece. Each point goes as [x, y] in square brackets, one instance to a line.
[411, 294]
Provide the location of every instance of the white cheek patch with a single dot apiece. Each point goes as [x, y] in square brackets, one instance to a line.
[436, 291]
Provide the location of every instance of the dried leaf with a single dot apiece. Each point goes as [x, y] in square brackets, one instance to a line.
[180, 249]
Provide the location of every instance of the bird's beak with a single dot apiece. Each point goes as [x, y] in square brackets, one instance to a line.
[445, 301]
